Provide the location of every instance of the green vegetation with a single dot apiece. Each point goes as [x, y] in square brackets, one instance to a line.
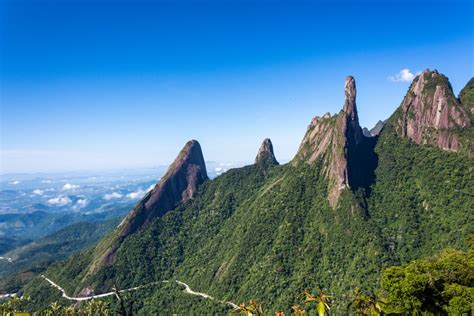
[443, 284]
[422, 199]
[438, 285]
[265, 233]
[35, 257]
[15, 306]
[467, 97]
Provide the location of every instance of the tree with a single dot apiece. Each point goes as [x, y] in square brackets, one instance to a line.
[441, 284]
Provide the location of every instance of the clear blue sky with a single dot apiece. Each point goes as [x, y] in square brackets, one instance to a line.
[104, 84]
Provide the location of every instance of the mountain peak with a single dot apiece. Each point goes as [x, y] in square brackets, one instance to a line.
[350, 93]
[265, 153]
[377, 128]
[333, 138]
[178, 185]
[190, 165]
[431, 114]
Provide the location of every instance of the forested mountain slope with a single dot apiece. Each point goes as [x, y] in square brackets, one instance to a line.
[36, 256]
[346, 207]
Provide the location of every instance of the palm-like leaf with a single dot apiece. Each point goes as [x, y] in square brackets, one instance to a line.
[251, 309]
[296, 311]
[322, 301]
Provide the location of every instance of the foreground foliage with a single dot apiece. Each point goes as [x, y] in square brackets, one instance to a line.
[441, 284]
[438, 285]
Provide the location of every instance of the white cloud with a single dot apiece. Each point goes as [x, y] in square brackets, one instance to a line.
[46, 181]
[113, 195]
[69, 186]
[50, 190]
[139, 193]
[220, 170]
[59, 201]
[15, 182]
[81, 203]
[403, 75]
[136, 195]
[38, 192]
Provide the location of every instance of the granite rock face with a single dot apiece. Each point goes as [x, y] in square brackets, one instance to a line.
[377, 128]
[265, 153]
[350, 110]
[333, 138]
[431, 114]
[179, 184]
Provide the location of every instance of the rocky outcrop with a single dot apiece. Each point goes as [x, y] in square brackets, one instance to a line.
[333, 139]
[377, 128]
[431, 114]
[375, 131]
[265, 154]
[366, 132]
[179, 184]
[353, 129]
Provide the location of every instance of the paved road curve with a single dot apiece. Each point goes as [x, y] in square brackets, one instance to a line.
[187, 290]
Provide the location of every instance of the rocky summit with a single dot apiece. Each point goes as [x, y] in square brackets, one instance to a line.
[431, 114]
[178, 185]
[265, 153]
[377, 128]
[334, 138]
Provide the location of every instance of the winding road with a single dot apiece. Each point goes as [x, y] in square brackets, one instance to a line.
[7, 259]
[85, 298]
[187, 290]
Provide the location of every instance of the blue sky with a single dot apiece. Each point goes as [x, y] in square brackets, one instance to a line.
[110, 84]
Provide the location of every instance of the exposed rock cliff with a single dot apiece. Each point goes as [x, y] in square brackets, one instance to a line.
[179, 184]
[265, 154]
[377, 128]
[431, 114]
[333, 138]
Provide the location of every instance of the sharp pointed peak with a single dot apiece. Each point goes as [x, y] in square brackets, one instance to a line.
[179, 184]
[350, 93]
[265, 153]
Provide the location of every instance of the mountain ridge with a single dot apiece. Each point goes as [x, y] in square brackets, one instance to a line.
[267, 231]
